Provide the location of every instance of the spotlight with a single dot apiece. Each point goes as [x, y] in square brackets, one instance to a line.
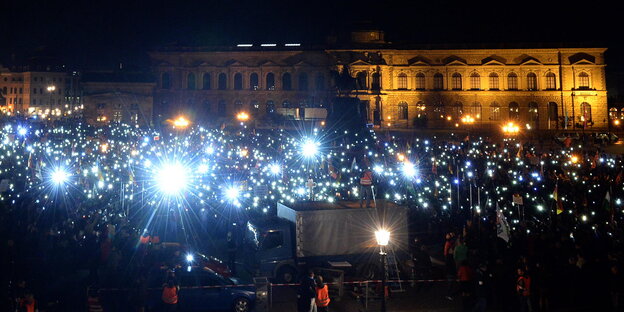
[309, 148]
[172, 178]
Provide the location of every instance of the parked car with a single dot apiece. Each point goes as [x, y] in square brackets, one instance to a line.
[174, 254]
[605, 137]
[561, 137]
[201, 289]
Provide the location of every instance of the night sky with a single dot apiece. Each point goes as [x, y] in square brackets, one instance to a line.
[103, 33]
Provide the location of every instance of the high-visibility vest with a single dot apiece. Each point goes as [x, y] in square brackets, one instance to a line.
[170, 295]
[367, 179]
[322, 296]
[144, 239]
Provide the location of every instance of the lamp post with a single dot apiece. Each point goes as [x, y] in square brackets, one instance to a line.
[383, 237]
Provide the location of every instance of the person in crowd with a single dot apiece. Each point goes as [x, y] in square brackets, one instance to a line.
[366, 187]
[465, 275]
[322, 295]
[449, 247]
[170, 295]
[306, 294]
[460, 253]
[482, 288]
[523, 289]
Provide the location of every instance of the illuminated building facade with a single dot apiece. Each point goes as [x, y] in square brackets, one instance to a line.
[401, 87]
[44, 93]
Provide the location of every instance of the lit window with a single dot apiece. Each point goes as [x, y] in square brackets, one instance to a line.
[512, 81]
[586, 112]
[583, 80]
[457, 81]
[402, 82]
[551, 82]
[475, 81]
[494, 111]
[420, 81]
[514, 111]
[403, 111]
[494, 85]
[532, 81]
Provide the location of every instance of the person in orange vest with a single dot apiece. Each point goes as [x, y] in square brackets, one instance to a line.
[322, 295]
[27, 304]
[366, 187]
[170, 295]
[523, 288]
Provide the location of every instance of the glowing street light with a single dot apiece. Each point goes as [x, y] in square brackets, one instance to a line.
[574, 159]
[383, 238]
[172, 178]
[510, 128]
[467, 119]
[190, 258]
[181, 122]
[242, 116]
[51, 88]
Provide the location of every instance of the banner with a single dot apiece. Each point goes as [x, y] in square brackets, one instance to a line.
[502, 227]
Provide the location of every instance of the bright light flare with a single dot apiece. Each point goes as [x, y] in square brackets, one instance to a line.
[181, 122]
[232, 193]
[511, 128]
[60, 176]
[22, 131]
[409, 170]
[275, 169]
[190, 258]
[242, 116]
[309, 148]
[172, 178]
[383, 237]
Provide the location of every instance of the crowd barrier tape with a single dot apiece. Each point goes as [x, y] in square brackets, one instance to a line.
[291, 284]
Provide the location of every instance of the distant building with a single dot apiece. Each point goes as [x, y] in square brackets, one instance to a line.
[401, 86]
[118, 97]
[45, 93]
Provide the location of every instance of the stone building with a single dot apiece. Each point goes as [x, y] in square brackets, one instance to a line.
[118, 97]
[402, 87]
[44, 92]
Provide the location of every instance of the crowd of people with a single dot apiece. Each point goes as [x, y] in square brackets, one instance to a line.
[76, 200]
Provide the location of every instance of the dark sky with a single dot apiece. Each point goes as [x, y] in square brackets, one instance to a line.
[101, 33]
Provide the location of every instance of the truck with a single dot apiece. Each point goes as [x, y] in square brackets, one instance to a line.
[338, 235]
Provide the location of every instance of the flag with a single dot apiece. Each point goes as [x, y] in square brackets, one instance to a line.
[502, 227]
[353, 164]
[557, 200]
[606, 203]
[434, 167]
[520, 150]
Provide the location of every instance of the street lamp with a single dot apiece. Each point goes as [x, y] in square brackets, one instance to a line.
[383, 238]
[242, 116]
[181, 122]
[511, 128]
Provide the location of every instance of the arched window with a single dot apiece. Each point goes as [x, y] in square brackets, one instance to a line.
[613, 113]
[533, 113]
[254, 107]
[238, 81]
[4, 89]
[238, 105]
[586, 113]
[456, 81]
[514, 111]
[553, 112]
[403, 113]
[270, 81]
[494, 85]
[221, 108]
[531, 81]
[421, 109]
[253, 82]
[286, 82]
[270, 107]
[495, 111]
[190, 81]
[551, 81]
[376, 85]
[320, 82]
[438, 81]
[475, 81]
[583, 81]
[475, 110]
[222, 83]
[206, 81]
[420, 81]
[286, 104]
[512, 81]
[402, 81]
[207, 106]
[361, 80]
[165, 82]
[303, 82]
